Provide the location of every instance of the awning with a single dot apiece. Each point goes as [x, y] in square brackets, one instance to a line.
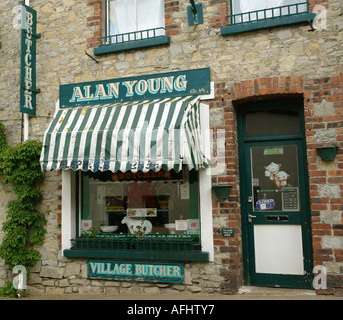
[132, 136]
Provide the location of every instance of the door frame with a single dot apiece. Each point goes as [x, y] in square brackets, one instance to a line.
[245, 142]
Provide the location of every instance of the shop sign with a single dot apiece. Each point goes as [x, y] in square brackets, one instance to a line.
[148, 87]
[228, 232]
[29, 37]
[136, 271]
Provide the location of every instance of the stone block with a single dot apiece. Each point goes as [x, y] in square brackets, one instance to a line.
[51, 272]
[72, 269]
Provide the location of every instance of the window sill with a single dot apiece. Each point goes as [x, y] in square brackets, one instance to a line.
[137, 255]
[129, 247]
[266, 24]
[138, 44]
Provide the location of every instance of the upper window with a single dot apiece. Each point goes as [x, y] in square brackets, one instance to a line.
[251, 10]
[133, 24]
[247, 15]
[130, 20]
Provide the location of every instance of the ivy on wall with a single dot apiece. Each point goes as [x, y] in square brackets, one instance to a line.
[25, 225]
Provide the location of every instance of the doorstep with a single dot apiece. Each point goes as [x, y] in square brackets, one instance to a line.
[275, 292]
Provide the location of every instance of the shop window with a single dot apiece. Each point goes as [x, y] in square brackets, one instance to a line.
[132, 24]
[137, 215]
[162, 204]
[248, 15]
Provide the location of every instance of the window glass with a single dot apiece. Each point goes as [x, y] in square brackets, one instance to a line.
[161, 202]
[272, 122]
[275, 180]
[244, 6]
[130, 16]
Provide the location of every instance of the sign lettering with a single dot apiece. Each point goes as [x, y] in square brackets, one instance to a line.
[136, 271]
[163, 85]
[28, 61]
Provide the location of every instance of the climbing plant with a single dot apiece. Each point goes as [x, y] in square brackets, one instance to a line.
[25, 226]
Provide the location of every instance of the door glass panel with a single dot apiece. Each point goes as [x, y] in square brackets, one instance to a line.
[275, 182]
[271, 122]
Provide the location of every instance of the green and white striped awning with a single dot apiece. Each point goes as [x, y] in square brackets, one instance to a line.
[133, 136]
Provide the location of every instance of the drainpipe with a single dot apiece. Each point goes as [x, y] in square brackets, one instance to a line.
[26, 116]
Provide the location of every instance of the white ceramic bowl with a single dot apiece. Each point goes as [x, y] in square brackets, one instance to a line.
[109, 228]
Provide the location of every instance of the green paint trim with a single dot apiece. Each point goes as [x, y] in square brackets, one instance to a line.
[297, 139]
[267, 23]
[138, 44]
[137, 255]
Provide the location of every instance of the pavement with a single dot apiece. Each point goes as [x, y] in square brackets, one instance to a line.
[245, 293]
[199, 306]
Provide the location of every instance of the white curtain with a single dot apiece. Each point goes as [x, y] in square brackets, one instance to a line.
[150, 14]
[255, 5]
[121, 16]
[252, 5]
[135, 15]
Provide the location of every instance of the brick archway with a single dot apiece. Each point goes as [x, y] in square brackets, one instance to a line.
[267, 86]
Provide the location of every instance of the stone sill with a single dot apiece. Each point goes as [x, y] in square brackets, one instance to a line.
[138, 44]
[266, 24]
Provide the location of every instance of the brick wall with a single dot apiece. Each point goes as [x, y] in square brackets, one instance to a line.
[228, 210]
[172, 27]
[95, 22]
[219, 20]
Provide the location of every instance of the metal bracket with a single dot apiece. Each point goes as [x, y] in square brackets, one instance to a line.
[310, 22]
[37, 90]
[38, 35]
[195, 13]
[91, 57]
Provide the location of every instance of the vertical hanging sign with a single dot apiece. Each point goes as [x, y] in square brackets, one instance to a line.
[29, 36]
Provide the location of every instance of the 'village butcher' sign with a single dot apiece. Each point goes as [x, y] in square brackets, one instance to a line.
[148, 87]
[136, 271]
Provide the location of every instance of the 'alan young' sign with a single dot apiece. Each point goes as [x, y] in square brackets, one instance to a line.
[163, 85]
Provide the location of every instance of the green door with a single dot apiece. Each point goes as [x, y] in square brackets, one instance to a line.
[274, 195]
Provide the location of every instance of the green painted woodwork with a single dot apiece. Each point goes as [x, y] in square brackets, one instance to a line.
[302, 217]
[131, 45]
[267, 18]
[266, 24]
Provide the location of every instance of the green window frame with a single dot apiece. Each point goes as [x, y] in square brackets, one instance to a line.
[137, 39]
[129, 246]
[266, 18]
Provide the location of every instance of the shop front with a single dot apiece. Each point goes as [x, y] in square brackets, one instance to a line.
[136, 179]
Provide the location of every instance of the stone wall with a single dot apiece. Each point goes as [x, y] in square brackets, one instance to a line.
[268, 63]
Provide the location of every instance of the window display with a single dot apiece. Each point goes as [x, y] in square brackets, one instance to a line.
[151, 203]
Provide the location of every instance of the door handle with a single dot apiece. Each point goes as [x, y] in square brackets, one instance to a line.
[250, 216]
